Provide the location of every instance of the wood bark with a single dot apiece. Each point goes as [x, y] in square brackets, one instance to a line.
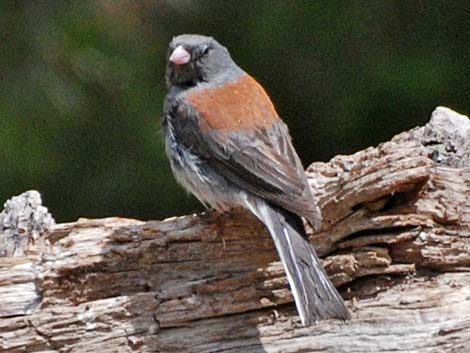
[395, 240]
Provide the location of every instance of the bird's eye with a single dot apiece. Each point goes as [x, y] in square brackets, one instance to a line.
[205, 49]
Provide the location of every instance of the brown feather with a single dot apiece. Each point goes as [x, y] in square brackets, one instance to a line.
[241, 105]
[248, 143]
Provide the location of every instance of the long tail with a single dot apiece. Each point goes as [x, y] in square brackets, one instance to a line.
[315, 296]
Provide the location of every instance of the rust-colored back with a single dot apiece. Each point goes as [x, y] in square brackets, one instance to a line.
[236, 106]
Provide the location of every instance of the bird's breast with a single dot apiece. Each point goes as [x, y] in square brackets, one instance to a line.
[241, 105]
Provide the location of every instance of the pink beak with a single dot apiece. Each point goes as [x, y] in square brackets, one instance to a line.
[180, 56]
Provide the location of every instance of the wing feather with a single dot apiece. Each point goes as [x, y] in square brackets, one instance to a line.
[261, 161]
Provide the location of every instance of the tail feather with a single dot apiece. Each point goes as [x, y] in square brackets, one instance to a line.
[315, 296]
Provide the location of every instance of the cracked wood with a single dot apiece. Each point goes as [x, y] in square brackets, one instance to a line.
[396, 239]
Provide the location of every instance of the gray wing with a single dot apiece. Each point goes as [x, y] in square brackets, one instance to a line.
[262, 161]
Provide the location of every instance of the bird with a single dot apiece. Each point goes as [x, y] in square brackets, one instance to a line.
[228, 146]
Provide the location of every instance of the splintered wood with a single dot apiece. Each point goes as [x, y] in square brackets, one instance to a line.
[395, 237]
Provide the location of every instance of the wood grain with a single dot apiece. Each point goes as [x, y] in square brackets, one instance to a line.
[396, 239]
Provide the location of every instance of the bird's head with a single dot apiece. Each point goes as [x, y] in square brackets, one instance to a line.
[194, 59]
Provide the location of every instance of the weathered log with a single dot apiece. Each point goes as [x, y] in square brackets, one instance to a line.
[396, 238]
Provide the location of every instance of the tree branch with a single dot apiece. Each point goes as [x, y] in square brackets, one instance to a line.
[396, 238]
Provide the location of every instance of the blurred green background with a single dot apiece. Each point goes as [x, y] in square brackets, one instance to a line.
[82, 86]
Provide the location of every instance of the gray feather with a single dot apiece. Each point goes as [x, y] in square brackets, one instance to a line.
[315, 296]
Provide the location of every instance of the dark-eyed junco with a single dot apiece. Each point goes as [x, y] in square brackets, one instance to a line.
[228, 146]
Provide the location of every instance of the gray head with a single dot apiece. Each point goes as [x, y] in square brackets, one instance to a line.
[194, 59]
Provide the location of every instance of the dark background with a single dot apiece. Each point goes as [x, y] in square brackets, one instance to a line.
[82, 86]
